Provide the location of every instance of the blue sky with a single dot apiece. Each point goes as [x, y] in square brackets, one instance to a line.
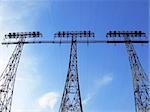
[104, 71]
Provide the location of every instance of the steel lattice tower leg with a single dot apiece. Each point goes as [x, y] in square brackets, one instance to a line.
[7, 79]
[71, 100]
[140, 81]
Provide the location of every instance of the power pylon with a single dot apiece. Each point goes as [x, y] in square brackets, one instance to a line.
[141, 83]
[71, 99]
[7, 79]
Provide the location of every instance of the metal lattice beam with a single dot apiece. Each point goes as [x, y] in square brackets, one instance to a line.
[71, 100]
[7, 79]
[141, 83]
[78, 41]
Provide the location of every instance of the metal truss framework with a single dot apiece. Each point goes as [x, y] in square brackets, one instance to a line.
[78, 41]
[7, 79]
[141, 82]
[71, 100]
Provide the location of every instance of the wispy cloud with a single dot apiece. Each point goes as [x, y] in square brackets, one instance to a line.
[88, 98]
[15, 16]
[49, 100]
[27, 110]
[20, 16]
[104, 80]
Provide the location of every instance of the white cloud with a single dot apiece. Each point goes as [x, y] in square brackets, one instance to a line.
[49, 100]
[88, 98]
[12, 15]
[15, 16]
[27, 110]
[101, 82]
[104, 80]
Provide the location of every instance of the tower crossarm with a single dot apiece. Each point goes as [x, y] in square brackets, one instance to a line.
[78, 41]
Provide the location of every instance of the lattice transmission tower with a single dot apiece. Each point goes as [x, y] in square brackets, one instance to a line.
[7, 79]
[71, 99]
[141, 83]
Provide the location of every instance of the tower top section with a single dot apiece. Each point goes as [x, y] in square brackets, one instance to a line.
[62, 34]
[125, 34]
[16, 35]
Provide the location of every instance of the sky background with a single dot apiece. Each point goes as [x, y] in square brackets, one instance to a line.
[104, 71]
